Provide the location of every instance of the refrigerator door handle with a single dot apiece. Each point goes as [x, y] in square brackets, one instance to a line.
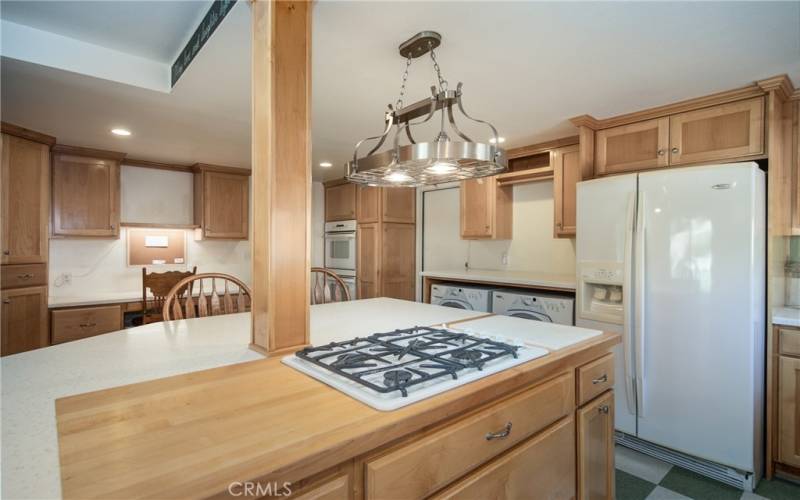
[627, 282]
[639, 309]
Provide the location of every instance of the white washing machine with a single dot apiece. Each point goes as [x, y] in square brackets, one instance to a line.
[462, 297]
[550, 308]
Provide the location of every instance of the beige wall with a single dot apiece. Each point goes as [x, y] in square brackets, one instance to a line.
[533, 247]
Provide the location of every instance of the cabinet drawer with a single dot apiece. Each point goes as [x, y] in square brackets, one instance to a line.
[437, 458]
[789, 341]
[541, 467]
[74, 324]
[596, 377]
[16, 276]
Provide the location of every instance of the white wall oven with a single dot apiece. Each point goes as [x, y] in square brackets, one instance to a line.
[340, 246]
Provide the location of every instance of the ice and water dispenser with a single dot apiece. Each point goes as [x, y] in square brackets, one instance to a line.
[601, 291]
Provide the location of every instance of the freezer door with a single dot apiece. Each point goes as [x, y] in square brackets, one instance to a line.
[604, 218]
[700, 310]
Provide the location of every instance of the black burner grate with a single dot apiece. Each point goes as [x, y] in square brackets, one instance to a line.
[398, 360]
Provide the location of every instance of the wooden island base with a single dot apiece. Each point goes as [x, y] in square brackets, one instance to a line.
[542, 429]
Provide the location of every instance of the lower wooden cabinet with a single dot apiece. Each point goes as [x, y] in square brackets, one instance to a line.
[445, 455]
[541, 467]
[82, 322]
[788, 410]
[24, 320]
[337, 488]
[595, 433]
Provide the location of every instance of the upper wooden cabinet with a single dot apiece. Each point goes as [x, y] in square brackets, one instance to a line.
[340, 201]
[632, 147]
[387, 204]
[727, 131]
[86, 192]
[24, 320]
[596, 449]
[566, 175]
[222, 202]
[25, 182]
[721, 132]
[368, 204]
[486, 209]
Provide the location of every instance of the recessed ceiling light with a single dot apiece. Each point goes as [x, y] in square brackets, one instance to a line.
[120, 131]
[326, 164]
[501, 140]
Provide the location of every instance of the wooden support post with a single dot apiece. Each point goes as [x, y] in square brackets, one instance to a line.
[281, 139]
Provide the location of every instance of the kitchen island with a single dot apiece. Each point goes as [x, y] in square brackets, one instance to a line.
[201, 433]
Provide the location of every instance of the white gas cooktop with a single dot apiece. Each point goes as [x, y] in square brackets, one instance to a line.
[393, 369]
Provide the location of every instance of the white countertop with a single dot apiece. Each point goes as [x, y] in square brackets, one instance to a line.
[32, 381]
[519, 278]
[548, 335]
[786, 316]
[92, 299]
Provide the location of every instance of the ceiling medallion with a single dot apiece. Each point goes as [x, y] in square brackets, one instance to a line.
[422, 163]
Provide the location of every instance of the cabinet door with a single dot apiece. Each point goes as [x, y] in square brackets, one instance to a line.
[25, 181]
[596, 449]
[340, 202]
[541, 467]
[566, 175]
[399, 204]
[367, 204]
[632, 147]
[226, 205]
[397, 266]
[24, 320]
[476, 208]
[796, 171]
[85, 196]
[368, 273]
[788, 411]
[719, 132]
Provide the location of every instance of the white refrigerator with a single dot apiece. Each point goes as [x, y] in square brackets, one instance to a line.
[674, 260]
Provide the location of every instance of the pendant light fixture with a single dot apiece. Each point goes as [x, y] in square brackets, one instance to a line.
[421, 163]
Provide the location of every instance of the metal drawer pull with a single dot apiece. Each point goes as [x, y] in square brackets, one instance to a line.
[603, 409]
[501, 434]
[6, 301]
[6, 252]
[87, 325]
[600, 380]
[25, 276]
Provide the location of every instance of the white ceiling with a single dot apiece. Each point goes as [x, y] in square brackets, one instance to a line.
[154, 30]
[206, 117]
[527, 68]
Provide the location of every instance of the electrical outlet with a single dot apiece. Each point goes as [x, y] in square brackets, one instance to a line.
[504, 258]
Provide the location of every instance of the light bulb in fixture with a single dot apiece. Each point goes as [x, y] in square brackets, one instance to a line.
[500, 140]
[397, 177]
[121, 131]
[442, 167]
[326, 164]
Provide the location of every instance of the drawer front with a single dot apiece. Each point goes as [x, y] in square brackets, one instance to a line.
[438, 458]
[789, 341]
[74, 324]
[595, 378]
[20, 275]
[337, 488]
[541, 467]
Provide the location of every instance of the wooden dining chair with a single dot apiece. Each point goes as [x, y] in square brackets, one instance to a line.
[160, 285]
[208, 301]
[324, 290]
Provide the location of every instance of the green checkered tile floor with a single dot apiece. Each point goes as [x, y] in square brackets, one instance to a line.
[641, 477]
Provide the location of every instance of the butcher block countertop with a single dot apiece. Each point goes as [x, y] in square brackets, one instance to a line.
[33, 380]
[192, 435]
